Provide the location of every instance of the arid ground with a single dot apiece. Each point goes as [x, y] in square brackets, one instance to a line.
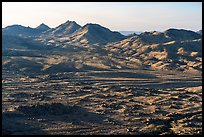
[110, 102]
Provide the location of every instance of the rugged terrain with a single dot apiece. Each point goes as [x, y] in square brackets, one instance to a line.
[88, 79]
[102, 102]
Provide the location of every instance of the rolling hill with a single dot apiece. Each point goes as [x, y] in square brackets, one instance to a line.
[169, 50]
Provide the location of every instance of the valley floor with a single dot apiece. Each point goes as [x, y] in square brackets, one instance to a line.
[102, 102]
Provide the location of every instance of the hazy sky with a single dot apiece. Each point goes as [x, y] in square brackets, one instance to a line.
[123, 16]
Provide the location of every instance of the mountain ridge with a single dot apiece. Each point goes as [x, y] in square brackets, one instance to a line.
[100, 48]
[96, 33]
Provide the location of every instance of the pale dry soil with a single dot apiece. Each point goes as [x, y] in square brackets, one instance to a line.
[110, 102]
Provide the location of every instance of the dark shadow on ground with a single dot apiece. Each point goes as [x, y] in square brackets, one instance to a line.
[59, 112]
[122, 74]
[14, 123]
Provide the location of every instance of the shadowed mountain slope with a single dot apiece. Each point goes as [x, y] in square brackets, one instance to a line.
[63, 29]
[19, 30]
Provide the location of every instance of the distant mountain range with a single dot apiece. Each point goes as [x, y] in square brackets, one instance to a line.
[72, 33]
[101, 48]
[126, 33]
